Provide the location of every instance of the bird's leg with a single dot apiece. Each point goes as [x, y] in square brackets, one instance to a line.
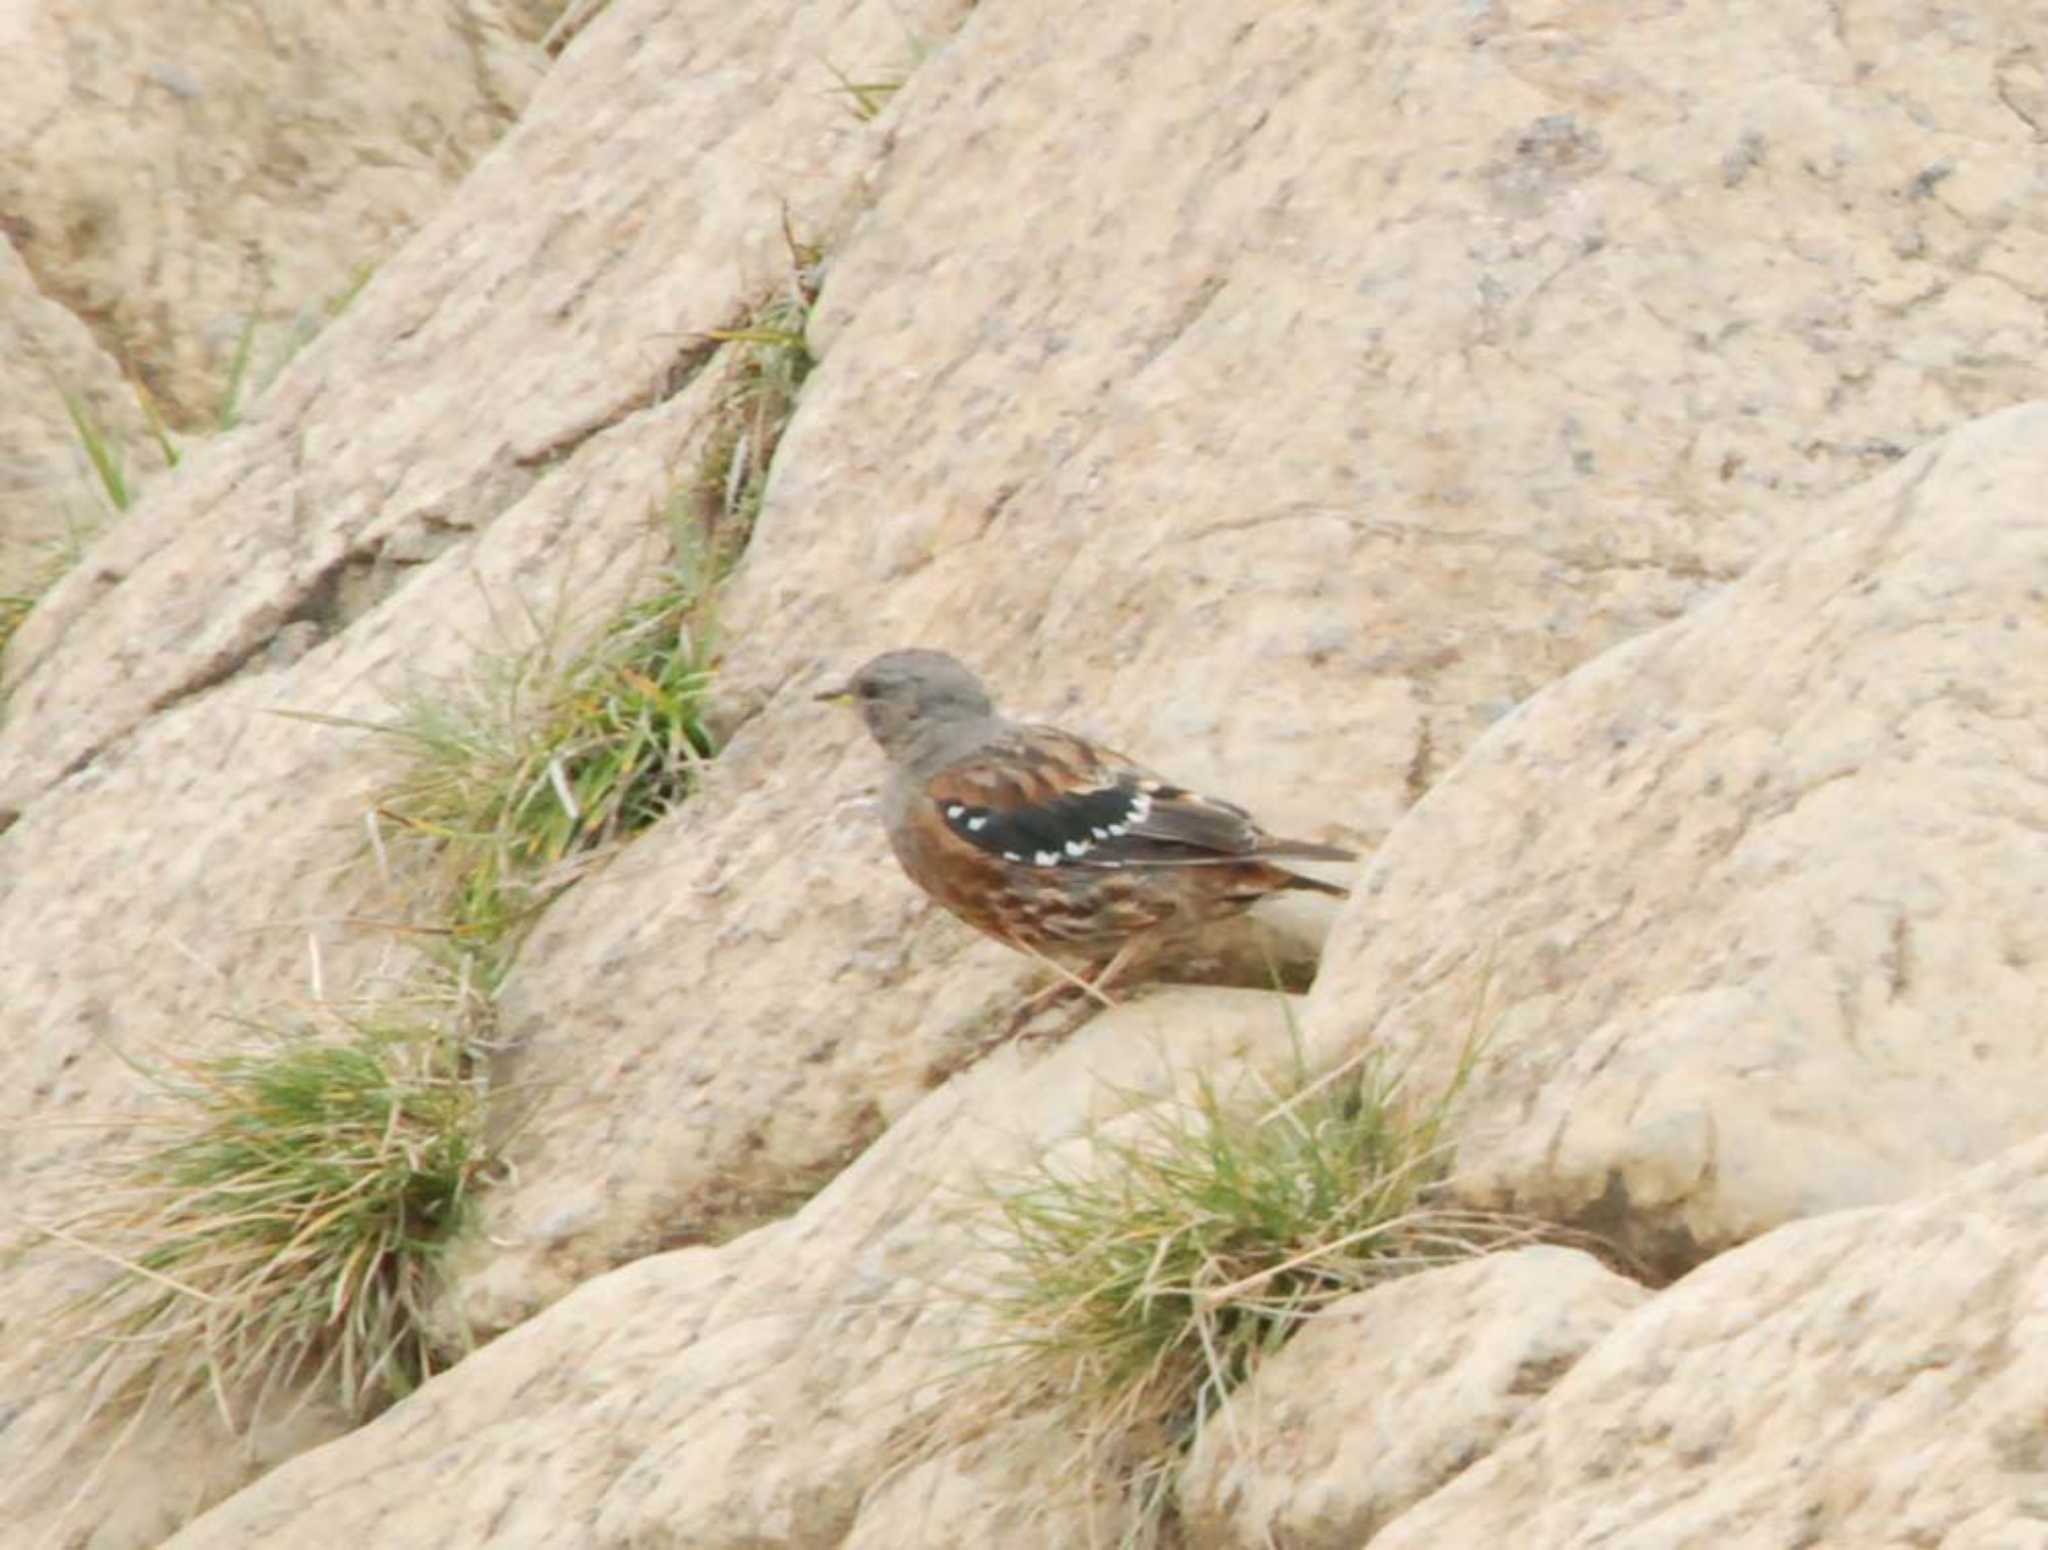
[1098, 987]
[1067, 983]
[1091, 986]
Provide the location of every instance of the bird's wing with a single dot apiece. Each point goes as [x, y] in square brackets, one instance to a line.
[1042, 797]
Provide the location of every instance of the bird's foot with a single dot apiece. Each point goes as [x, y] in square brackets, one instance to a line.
[1084, 989]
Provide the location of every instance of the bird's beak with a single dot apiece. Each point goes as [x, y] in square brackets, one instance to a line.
[843, 695]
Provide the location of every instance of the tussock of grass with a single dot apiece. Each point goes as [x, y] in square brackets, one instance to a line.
[277, 1219]
[1136, 1290]
[537, 763]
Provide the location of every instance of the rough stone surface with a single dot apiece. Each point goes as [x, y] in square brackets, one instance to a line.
[247, 925]
[1279, 392]
[1576, 348]
[1870, 1378]
[171, 171]
[1750, 912]
[1010, 1486]
[185, 185]
[178, 851]
[1389, 1394]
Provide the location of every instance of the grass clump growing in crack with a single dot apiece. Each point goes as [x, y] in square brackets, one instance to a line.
[528, 770]
[532, 768]
[1137, 1289]
[765, 361]
[278, 1217]
[519, 776]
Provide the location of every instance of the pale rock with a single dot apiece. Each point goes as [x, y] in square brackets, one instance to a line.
[172, 171]
[180, 846]
[1279, 393]
[1747, 916]
[481, 357]
[1386, 1396]
[1418, 420]
[1868, 1378]
[1013, 1485]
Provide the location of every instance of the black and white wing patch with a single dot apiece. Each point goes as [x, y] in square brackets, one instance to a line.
[1045, 798]
[1077, 826]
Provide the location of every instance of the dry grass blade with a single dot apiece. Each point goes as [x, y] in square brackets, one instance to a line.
[103, 451]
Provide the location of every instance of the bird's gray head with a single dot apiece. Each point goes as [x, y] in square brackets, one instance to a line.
[916, 703]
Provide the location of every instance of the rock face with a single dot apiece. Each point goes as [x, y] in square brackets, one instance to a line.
[1753, 926]
[190, 191]
[1390, 1394]
[172, 171]
[145, 682]
[1871, 1377]
[1284, 395]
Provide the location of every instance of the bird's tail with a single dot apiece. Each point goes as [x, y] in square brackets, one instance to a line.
[1313, 884]
[1301, 850]
[1306, 850]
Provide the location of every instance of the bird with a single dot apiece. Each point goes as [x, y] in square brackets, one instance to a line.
[1048, 842]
